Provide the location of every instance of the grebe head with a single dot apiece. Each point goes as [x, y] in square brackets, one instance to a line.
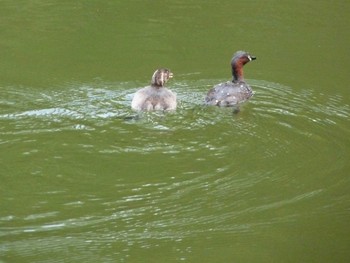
[161, 76]
[240, 58]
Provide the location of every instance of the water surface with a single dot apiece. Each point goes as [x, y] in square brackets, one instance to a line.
[85, 178]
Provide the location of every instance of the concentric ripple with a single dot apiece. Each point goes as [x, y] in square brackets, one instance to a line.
[107, 176]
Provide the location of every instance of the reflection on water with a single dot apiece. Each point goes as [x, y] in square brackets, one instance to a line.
[86, 179]
[156, 178]
[102, 105]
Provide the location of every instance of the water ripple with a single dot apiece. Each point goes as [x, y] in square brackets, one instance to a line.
[231, 173]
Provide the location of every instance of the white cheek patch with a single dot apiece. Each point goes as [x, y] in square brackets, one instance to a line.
[250, 58]
[162, 78]
[154, 77]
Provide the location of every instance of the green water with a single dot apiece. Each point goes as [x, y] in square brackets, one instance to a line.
[86, 179]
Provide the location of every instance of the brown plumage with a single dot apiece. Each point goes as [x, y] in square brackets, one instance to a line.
[232, 92]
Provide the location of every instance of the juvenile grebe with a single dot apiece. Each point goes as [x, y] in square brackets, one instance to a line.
[156, 96]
